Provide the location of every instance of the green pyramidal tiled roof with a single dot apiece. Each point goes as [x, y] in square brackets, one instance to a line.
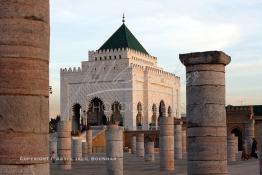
[123, 38]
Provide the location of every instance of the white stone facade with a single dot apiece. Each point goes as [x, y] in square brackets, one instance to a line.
[120, 75]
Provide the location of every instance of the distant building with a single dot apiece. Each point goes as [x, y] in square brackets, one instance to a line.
[120, 82]
[244, 122]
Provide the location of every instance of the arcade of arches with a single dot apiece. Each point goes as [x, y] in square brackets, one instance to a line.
[95, 115]
[244, 121]
[155, 117]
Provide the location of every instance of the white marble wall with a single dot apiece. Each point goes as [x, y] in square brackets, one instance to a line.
[133, 78]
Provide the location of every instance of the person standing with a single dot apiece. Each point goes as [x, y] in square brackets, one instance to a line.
[254, 149]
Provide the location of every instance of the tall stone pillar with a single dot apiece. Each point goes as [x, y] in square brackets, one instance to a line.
[157, 122]
[140, 147]
[206, 116]
[133, 145]
[178, 139]
[249, 129]
[149, 151]
[166, 143]
[244, 146]
[24, 91]
[89, 140]
[184, 145]
[114, 149]
[108, 113]
[84, 150]
[260, 148]
[231, 148]
[64, 144]
[77, 149]
[236, 144]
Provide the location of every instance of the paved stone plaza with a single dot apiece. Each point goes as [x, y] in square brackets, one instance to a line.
[137, 166]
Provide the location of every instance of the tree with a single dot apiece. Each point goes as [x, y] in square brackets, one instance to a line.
[53, 124]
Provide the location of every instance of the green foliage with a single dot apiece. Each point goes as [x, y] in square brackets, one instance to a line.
[53, 124]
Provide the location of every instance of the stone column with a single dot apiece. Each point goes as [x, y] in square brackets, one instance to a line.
[24, 91]
[236, 144]
[114, 149]
[166, 143]
[89, 139]
[184, 145]
[244, 146]
[140, 148]
[260, 148]
[64, 144]
[133, 145]
[231, 149]
[157, 124]
[206, 116]
[84, 150]
[77, 149]
[249, 129]
[178, 140]
[108, 113]
[149, 151]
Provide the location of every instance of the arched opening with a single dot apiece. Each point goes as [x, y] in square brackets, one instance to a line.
[169, 111]
[162, 110]
[95, 114]
[76, 119]
[154, 117]
[139, 117]
[238, 134]
[116, 115]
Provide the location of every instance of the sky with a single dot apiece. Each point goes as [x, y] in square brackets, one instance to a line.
[165, 28]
